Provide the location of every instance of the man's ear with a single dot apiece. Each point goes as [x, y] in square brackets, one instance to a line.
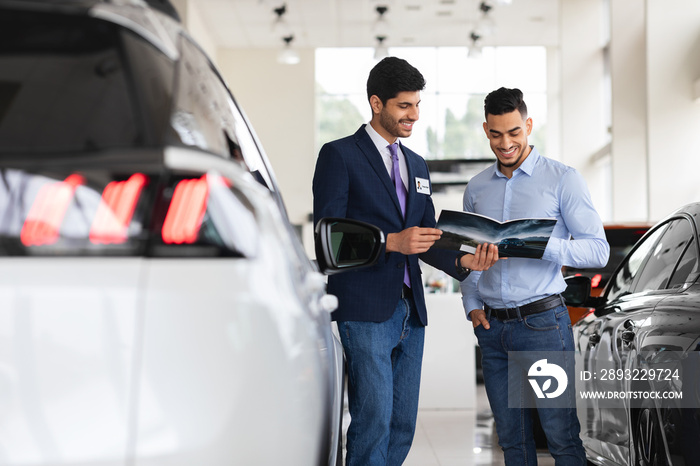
[528, 125]
[486, 129]
[376, 104]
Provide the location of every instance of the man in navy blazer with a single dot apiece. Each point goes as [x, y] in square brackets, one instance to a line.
[381, 313]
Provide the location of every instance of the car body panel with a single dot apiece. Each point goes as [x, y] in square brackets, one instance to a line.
[648, 317]
[67, 354]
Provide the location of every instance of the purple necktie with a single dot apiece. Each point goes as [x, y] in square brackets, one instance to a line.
[396, 177]
[401, 193]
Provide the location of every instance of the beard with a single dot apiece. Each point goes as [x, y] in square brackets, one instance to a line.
[392, 126]
[514, 162]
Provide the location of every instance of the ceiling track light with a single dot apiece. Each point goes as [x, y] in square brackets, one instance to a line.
[475, 50]
[280, 11]
[381, 25]
[486, 24]
[381, 50]
[288, 56]
[280, 27]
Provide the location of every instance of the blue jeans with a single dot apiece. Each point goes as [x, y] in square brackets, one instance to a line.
[546, 331]
[384, 364]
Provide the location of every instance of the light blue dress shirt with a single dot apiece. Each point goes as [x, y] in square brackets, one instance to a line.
[539, 188]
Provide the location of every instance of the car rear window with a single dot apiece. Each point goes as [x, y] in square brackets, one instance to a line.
[65, 85]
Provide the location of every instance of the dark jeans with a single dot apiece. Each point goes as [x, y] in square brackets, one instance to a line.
[546, 331]
[384, 364]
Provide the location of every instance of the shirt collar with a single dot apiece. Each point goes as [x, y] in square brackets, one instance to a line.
[377, 139]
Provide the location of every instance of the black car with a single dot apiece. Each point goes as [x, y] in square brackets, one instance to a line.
[637, 368]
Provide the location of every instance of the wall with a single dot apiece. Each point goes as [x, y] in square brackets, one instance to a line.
[673, 66]
[583, 132]
[630, 154]
[279, 100]
[193, 22]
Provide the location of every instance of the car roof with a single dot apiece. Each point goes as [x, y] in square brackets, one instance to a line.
[164, 6]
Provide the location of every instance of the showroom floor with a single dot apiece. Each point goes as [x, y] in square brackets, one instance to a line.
[459, 437]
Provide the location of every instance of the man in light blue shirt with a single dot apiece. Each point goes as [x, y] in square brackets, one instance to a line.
[516, 305]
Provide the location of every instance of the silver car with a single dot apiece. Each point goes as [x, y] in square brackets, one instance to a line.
[157, 305]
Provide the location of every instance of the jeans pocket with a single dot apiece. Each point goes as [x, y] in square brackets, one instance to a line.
[542, 321]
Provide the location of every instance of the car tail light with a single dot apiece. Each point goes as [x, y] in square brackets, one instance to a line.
[116, 208]
[44, 220]
[595, 281]
[187, 208]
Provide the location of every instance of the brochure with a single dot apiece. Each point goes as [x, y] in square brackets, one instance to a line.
[525, 237]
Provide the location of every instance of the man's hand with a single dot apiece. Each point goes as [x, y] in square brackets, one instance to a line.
[479, 318]
[483, 258]
[414, 240]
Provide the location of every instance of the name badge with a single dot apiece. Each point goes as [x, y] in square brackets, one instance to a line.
[422, 186]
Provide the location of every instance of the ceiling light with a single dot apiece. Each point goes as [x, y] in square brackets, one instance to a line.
[381, 25]
[486, 23]
[475, 50]
[288, 56]
[381, 50]
[280, 27]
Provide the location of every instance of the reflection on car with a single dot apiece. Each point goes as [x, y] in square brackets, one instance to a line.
[158, 307]
[644, 338]
[621, 238]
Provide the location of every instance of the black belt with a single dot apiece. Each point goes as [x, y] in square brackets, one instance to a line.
[406, 292]
[541, 305]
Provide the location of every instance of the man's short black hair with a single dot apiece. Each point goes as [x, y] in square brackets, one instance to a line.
[391, 76]
[504, 100]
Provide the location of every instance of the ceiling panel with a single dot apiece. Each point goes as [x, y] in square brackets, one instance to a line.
[352, 23]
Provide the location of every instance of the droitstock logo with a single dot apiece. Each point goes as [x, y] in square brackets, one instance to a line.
[543, 372]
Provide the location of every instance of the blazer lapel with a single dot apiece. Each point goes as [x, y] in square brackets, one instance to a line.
[364, 142]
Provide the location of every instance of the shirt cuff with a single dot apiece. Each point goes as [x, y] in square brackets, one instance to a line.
[553, 251]
[470, 305]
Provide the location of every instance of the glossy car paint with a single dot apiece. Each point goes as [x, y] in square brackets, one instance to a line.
[162, 354]
[659, 319]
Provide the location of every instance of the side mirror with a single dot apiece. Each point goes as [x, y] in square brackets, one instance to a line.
[346, 244]
[578, 291]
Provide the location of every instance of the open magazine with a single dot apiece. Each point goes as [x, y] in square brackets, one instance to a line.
[464, 231]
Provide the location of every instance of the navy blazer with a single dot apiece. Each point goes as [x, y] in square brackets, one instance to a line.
[351, 181]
